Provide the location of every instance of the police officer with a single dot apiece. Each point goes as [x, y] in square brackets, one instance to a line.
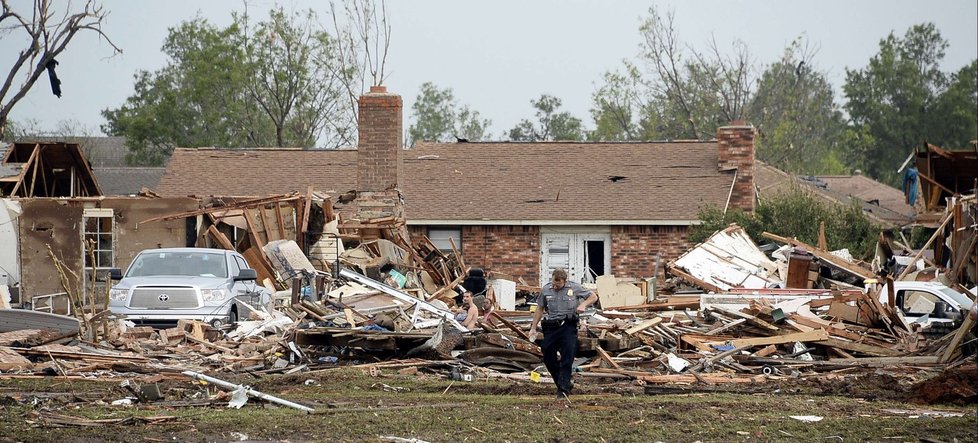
[563, 302]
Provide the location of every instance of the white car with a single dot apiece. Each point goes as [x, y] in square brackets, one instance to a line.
[930, 303]
[162, 286]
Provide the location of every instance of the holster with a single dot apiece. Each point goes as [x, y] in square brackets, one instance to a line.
[557, 322]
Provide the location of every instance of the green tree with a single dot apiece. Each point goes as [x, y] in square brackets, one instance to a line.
[200, 98]
[439, 117]
[622, 109]
[551, 124]
[899, 98]
[798, 214]
[282, 82]
[958, 108]
[799, 123]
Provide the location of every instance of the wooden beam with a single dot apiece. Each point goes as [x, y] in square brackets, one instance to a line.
[859, 347]
[239, 205]
[512, 326]
[722, 328]
[947, 218]
[37, 165]
[935, 183]
[265, 225]
[952, 347]
[220, 238]
[838, 332]
[686, 276]
[750, 318]
[816, 335]
[256, 241]
[23, 172]
[458, 254]
[643, 325]
[304, 221]
[281, 220]
[607, 358]
[822, 255]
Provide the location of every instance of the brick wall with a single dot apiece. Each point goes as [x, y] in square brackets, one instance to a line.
[513, 250]
[381, 140]
[736, 151]
[634, 248]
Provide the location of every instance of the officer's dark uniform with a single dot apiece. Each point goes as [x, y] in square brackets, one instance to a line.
[560, 330]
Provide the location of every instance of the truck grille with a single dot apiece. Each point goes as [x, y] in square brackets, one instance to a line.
[164, 297]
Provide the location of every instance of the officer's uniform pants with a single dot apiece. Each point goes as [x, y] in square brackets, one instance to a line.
[561, 338]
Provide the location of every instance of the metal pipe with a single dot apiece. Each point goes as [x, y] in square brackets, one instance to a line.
[249, 391]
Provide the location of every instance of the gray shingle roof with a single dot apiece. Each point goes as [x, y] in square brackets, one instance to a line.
[127, 180]
[531, 182]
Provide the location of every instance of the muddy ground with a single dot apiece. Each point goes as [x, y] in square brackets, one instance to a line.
[353, 405]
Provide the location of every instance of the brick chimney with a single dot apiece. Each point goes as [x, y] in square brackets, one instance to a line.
[379, 156]
[736, 153]
[381, 139]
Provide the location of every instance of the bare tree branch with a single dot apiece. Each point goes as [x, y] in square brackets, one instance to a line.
[45, 40]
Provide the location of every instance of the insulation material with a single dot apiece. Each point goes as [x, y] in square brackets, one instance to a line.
[728, 259]
[613, 293]
[288, 259]
[329, 245]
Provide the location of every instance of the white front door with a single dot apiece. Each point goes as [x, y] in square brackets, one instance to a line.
[585, 255]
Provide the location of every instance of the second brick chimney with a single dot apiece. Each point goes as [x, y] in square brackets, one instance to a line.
[379, 158]
[736, 153]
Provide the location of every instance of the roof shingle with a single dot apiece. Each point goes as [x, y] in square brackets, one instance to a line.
[643, 182]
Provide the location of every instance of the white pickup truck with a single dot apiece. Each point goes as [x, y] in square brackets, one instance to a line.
[930, 303]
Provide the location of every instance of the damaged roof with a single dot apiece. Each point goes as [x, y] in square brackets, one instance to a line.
[41, 169]
[127, 180]
[502, 182]
[881, 203]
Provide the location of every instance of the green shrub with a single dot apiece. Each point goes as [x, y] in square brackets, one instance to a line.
[798, 214]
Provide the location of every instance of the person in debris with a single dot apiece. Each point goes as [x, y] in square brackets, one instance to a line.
[467, 313]
[559, 305]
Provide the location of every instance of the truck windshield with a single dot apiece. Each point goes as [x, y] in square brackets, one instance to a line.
[194, 264]
[962, 299]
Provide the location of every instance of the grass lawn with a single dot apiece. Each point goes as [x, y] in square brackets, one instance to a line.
[353, 406]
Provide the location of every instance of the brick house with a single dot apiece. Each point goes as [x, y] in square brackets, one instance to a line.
[517, 208]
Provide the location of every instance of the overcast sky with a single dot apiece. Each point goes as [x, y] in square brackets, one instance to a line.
[497, 55]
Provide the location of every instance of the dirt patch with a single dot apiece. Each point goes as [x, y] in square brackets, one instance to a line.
[871, 386]
[956, 386]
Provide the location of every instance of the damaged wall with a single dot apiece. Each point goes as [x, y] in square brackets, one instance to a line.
[58, 222]
[43, 222]
[512, 250]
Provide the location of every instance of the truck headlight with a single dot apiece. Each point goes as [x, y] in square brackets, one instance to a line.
[118, 294]
[213, 294]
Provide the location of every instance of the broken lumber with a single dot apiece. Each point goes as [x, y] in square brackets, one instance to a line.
[816, 335]
[643, 325]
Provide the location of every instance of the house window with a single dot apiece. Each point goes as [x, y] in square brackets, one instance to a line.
[443, 238]
[99, 240]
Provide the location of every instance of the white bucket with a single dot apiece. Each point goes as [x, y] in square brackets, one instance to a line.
[505, 291]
